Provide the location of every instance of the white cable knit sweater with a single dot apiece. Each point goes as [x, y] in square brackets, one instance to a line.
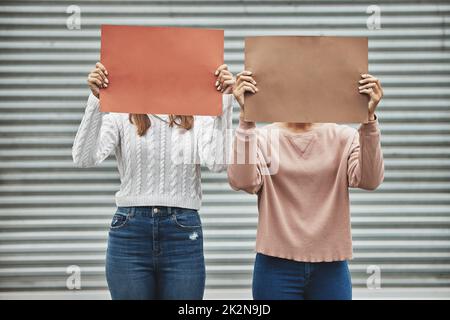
[161, 168]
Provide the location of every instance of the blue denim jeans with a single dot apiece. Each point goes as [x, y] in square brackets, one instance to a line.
[155, 253]
[282, 279]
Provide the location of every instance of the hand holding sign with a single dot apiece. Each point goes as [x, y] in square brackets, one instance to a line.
[225, 79]
[97, 79]
[244, 83]
[372, 87]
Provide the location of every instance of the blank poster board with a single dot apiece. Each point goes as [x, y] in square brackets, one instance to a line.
[306, 79]
[162, 70]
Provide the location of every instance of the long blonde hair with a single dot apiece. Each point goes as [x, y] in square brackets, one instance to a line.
[143, 123]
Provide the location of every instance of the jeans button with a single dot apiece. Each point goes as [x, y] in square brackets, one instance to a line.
[155, 210]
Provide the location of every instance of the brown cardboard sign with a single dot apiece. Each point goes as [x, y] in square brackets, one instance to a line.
[306, 79]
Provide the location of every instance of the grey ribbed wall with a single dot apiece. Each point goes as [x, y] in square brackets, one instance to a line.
[53, 215]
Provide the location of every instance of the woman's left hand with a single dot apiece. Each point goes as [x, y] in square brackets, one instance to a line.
[372, 87]
[225, 80]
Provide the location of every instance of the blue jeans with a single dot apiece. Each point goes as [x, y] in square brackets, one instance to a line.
[282, 279]
[155, 253]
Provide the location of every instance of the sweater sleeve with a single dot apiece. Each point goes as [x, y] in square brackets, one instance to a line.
[212, 137]
[97, 136]
[365, 161]
[244, 170]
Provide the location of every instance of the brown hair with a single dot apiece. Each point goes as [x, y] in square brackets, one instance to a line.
[142, 122]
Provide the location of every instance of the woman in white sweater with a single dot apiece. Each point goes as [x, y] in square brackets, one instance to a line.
[155, 242]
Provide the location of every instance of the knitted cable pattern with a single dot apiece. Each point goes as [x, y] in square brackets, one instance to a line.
[150, 159]
[162, 160]
[128, 158]
[138, 164]
[96, 137]
[145, 158]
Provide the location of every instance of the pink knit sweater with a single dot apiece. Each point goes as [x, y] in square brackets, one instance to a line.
[302, 182]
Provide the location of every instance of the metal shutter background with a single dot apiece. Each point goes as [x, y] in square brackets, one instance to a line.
[53, 215]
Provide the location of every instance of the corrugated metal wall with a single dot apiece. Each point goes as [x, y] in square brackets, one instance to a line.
[53, 215]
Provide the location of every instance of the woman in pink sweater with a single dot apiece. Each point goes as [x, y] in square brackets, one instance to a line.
[301, 173]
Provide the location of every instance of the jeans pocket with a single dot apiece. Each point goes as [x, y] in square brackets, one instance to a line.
[187, 219]
[119, 220]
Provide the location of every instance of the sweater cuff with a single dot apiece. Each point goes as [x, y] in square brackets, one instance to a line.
[370, 128]
[93, 102]
[227, 102]
[246, 125]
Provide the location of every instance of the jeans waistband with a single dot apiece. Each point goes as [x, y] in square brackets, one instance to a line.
[152, 211]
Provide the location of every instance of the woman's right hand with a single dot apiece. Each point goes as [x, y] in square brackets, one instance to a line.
[244, 83]
[98, 79]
